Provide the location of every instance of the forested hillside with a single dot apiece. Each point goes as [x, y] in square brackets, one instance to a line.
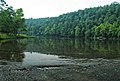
[103, 22]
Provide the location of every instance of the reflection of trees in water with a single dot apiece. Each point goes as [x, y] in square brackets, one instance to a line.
[76, 48]
[12, 51]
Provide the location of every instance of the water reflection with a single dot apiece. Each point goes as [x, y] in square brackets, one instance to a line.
[35, 58]
[17, 50]
[12, 50]
[75, 48]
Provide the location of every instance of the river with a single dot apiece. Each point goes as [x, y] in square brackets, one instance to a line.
[62, 59]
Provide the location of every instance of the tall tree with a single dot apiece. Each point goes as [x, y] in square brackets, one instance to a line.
[11, 21]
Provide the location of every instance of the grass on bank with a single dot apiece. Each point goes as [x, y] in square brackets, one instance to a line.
[6, 36]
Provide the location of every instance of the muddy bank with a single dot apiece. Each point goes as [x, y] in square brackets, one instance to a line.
[79, 70]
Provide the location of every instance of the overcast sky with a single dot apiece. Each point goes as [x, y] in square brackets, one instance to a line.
[51, 8]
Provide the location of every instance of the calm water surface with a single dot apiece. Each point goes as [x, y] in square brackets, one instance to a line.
[41, 51]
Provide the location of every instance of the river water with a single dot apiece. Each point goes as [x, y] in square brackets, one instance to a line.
[62, 51]
[56, 50]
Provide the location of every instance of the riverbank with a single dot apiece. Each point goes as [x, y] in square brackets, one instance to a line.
[6, 36]
[81, 70]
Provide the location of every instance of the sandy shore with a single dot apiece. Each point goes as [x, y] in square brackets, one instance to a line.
[80, 70]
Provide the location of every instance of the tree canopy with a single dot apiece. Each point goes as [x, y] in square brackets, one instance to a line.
[11, 21]
[90, 22]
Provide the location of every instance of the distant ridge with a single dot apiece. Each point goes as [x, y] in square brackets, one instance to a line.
[102, 22]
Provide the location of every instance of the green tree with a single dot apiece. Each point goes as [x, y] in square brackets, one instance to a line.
[77, 31]
[91, 22]
[11, 21]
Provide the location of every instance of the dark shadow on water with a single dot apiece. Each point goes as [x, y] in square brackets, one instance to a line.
[12, 50]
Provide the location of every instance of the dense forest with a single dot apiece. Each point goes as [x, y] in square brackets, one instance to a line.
[102, 22]
[11, 21]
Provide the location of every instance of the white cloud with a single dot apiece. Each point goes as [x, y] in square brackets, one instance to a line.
[50, 8]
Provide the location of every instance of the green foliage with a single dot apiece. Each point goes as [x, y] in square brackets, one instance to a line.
[11, 21]
[77, 31]
[100, 21]
[6, 36]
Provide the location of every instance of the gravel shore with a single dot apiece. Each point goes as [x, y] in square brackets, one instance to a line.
[80, 70]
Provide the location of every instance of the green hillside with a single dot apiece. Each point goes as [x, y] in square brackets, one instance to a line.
[97, 22]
